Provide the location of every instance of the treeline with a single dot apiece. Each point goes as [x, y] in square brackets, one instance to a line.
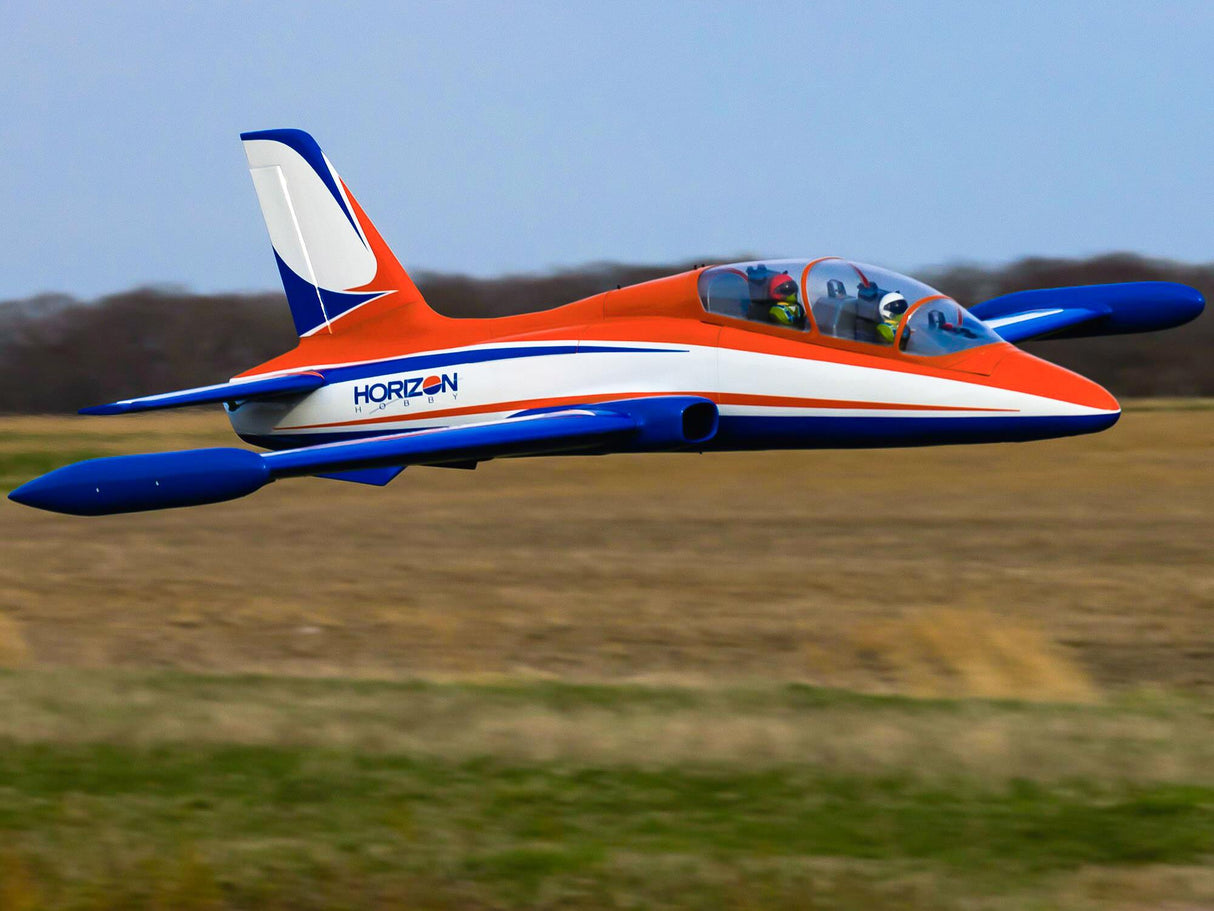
[58, 354]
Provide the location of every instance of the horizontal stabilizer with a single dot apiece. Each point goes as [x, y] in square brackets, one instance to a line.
[234, 391]
[1089, 310]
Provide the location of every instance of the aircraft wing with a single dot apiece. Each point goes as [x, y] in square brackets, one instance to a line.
[1089, 310]
[534, 434]
[194, 476]
[249, 388]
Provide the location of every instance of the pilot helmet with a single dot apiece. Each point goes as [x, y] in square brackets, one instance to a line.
[892, 306]
[782, 288]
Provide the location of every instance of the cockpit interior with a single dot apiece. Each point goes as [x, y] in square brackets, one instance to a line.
[834, 298]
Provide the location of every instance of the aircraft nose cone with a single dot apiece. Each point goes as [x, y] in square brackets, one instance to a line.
[1067, 402]
[1067, 390]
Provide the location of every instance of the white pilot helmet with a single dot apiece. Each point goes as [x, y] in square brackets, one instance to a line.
[892, 306]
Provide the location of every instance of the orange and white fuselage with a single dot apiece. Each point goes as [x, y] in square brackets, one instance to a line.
[775, 387]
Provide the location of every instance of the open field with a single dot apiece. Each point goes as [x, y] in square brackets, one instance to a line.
[1054, 570]
[952, 678]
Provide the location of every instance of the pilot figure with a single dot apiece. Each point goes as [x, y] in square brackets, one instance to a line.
[773, 297]
[891, 309]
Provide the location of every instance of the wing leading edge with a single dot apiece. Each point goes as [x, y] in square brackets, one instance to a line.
[234, 390]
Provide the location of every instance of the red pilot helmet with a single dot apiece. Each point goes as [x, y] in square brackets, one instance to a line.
[782, 287]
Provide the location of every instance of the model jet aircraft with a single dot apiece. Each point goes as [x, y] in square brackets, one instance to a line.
[772, 354]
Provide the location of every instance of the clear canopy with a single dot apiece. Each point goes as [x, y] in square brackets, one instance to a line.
[844, 300]
[764, 292]
[942, 326]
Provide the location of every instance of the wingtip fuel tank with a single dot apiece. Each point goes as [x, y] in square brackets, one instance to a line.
[135, 483]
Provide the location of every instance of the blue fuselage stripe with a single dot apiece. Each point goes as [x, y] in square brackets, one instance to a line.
[419, 362]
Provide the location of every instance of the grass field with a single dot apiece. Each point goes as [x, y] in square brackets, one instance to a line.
[974, 677]
[160, 789]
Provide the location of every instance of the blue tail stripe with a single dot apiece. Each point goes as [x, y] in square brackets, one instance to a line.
[309, 151]
[304, 299]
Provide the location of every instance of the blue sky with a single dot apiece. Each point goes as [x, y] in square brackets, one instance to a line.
[490, 138]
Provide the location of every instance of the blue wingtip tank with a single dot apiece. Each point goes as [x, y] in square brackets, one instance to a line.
[135, 483]
[1089, 310]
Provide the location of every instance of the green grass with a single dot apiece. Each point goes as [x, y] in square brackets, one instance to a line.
[155, 790]
[280, 822]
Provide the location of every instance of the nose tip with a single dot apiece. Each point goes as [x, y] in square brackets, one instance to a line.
[40, 493]
[1023, 372]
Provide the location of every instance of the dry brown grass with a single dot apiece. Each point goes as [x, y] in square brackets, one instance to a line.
[1135, 740]
[14, 651]
[950, 652]
[1046, 570]
[1156, 887]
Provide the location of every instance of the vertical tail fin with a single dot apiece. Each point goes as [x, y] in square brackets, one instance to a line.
[336, 269]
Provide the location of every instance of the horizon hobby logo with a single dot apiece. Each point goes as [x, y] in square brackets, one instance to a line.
[406, 388]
